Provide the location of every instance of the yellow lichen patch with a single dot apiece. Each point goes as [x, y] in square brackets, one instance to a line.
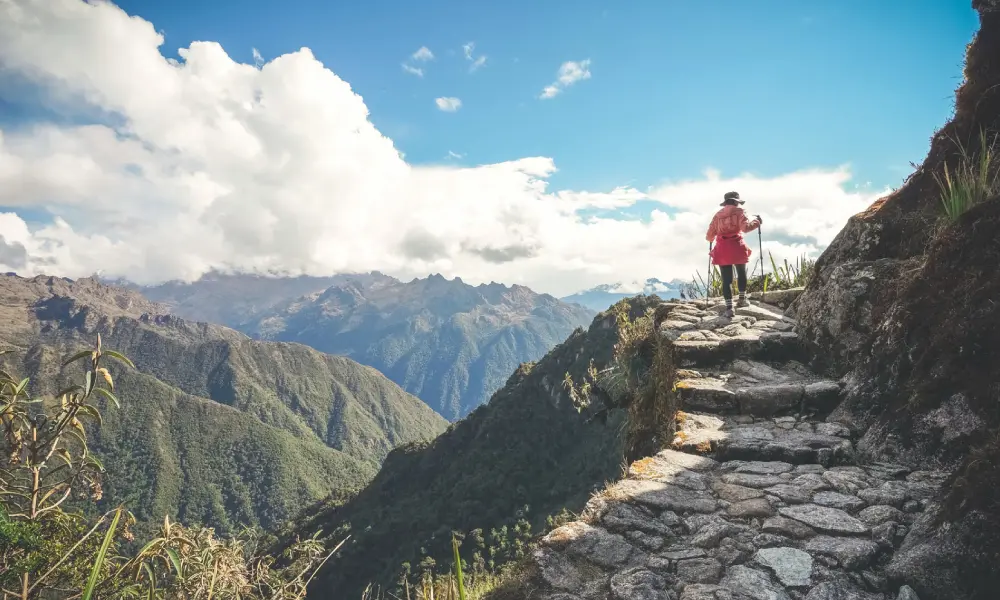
[687, 374]
[679, 438]
[705, 446]
[643, 468]
[680, 417]
[683, 384]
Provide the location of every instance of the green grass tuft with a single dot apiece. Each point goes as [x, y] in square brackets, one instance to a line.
[974, 180]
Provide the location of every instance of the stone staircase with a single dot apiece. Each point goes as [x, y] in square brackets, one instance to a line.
[760, 497]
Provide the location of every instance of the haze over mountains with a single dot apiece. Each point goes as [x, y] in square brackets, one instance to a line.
[214, 427]
[449, 343]
[600, 297]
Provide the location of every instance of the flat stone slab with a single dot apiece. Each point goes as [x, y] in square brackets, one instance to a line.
[881, 513]
[791, 494]
[851, 553]
[753, 583]
[824, 518]
[791, 566]
[788, 527]
[765, 467]
[735, 493]
[838, 500]
[752, 480]
[755, 507]
[665, 496]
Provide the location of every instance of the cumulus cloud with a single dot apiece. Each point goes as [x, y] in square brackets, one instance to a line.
[423, 54]
[569, 73]
[477, 61]
[448, 104]
[170, 168]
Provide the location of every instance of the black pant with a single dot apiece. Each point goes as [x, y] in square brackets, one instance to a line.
[727, 280]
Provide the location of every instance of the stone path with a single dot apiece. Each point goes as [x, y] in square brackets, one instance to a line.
[760, 499]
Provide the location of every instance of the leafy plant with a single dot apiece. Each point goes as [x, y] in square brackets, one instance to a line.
[49, 550]
[782, 276]
[975, 179]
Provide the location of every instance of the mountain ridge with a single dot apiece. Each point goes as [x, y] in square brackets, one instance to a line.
[450, 343]
[207, 403]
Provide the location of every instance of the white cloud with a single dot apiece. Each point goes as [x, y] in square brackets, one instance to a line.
[258, 60]
[413, 70]
[569, 73]
[423, 54]
[448, 104]
[477, 61]
[207, 163]
[454, 155]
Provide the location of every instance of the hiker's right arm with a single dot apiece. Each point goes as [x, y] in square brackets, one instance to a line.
[712, 229]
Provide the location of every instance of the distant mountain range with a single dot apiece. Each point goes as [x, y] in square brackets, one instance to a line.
[599, 298]
[213, 427]
[449, 343]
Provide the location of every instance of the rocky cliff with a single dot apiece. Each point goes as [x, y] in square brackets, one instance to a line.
[905, 308]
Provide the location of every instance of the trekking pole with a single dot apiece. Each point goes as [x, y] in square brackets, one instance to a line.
[708, 286]
[760, 244]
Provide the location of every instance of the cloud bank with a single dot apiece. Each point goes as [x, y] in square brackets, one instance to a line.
[165, 169]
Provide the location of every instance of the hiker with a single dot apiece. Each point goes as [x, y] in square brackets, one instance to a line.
[726, 230]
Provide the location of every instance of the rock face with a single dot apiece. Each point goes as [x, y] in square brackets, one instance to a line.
[900, 310]
[745, 506]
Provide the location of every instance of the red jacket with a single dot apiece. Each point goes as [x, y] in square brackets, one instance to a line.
[729, 221]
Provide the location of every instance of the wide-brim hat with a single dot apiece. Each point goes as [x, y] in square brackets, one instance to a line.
[732, 196]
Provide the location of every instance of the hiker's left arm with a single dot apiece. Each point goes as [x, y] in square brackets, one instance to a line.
[749, 225]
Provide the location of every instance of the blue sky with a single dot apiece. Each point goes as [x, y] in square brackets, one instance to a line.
[766, 87]
[147, 140]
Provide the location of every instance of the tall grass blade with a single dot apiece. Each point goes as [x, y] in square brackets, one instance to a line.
[102, 554]
[458, 568]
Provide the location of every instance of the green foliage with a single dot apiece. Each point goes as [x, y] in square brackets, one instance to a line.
[974, 180]
[530, 446]
[782, 276]
[49, 550]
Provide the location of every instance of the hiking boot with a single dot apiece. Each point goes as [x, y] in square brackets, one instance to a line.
[729, 314]
[742, 303]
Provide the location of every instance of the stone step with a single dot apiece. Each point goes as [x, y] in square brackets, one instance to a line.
[683, 527]
[714, 395]
[776, 346]
[745, 438]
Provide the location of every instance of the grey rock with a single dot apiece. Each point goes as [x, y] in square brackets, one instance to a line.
[822, 396]
[814, 469]
[893, 493]
[912, 506]
[640, 584]
[838, 500]
[789, 527]
[682, 553]
[767, 400]
[886, 470]
[666, 496]
[811, 481]
[875, 580]
[644, 540]
[880, 513]
[561, 596]
[769, 540]
[669, 518]
[623, 517]
[772, 467]
[885, 534]
[699, 570]
[753, 584]
[835, 429]
[791, 493]
[907, 593]
[847, 480]
[593, 543]
[731, 555]
[710, 534]
[851, 553]
[841, 589]
[700, 591]
[755, 507]
[824, 518]
[752, 480]
[791, 566]
[557, 570]
[735, 493]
